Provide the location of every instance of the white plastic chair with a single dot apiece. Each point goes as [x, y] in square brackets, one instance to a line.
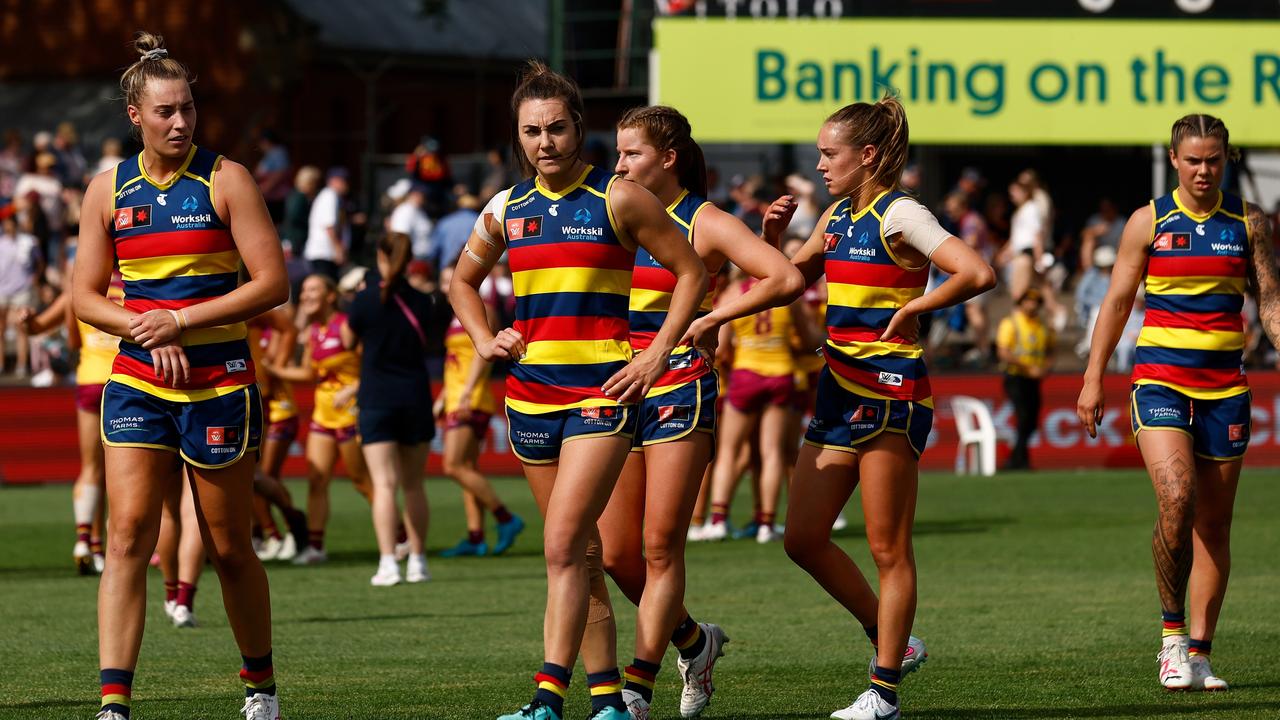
[977, 431]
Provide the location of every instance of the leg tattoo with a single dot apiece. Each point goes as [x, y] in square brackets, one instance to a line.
[1171, 547]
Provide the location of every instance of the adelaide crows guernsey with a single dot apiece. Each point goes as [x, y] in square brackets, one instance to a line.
[572, 277]
[866, 285]
[651, 288]
[1192, 338]
[175, 252]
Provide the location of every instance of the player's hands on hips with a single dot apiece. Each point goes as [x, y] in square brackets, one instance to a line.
[154, 328]
[704, 335]
[1090, 406]
[170, 363]
[905, 324]
[632, 383]
[508, 344]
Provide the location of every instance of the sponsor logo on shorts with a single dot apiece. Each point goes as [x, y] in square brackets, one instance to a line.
[221, 435]
[674, 412]
[525, 227]
[888, 378]
[1173, 242]
[864, 412]
[1235, 432]
[532, 438]
[128, 422]
[137, 216]
[603, 416]
[1165, 412]
[237, 366]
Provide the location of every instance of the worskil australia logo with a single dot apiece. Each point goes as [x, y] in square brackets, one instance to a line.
[582, 231]
[190, 203]
[583, 215]
[189, 222]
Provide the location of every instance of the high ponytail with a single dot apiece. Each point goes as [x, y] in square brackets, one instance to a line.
[155, 64]
[667, 129]
[396, 247]
[882, 124]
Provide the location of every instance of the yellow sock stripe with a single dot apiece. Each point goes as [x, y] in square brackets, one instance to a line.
[638, 680]
[884, 684]
[607, 688]
[261, 683]
[693, 638]
[1193, 652]
[1170, 632]
[115, 700]
[551, 687]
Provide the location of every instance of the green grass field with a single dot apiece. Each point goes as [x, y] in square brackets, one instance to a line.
[1036, 599]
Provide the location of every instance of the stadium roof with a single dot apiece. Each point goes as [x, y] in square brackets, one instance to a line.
[497, 29]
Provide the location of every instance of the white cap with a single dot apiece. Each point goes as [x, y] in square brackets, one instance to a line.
[399, 189]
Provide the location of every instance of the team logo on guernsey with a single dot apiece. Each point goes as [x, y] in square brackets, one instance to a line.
[521, 228]
[133, 217]
[830, 241]
[221, 435]
[1235, 432]
[674, 412]
[161, 198]
[864, 412]
[1173, 242]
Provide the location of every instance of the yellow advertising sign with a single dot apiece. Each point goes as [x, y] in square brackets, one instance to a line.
[1103, 82]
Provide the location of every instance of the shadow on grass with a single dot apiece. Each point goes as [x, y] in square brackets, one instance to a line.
[87, 703]
[963, 526]
[1225, 709]
[390, 616]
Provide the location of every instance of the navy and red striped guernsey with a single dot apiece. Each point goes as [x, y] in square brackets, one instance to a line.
[572, 278]
[651, 288]
[174, 252]
[1192, 337]
[866, 285]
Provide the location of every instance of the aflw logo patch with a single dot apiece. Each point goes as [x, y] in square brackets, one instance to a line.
[1173, 242]
[673, 412]
[598, 412]
[864, 412]
[1235, 432]
[133, 217]
[521, 228]
[221, 435]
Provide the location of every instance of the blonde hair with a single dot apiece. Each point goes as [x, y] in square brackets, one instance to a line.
[155, 64]
[882, 124]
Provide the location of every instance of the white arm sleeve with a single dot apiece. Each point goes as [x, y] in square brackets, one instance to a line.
[918, 226]
[497, 208]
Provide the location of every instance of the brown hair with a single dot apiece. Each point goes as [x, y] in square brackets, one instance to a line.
[396, 247]
[539, 82]
[1201, 126]
[667, 129]
[155, 64]
[882, 124]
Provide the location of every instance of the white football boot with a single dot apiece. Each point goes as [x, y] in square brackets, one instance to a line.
[416, 570]
[183, 617]
[636, 705]
[912, 658]
[868, 706]
[261, 706]
[1175, 664]
[696, 673]
[1202, 677]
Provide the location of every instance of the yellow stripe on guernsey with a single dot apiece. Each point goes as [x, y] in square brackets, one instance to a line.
[866, 296]
[878, 349]
[171, 266]
[1190, 339]
[572, 280]
[574, 352]
[1194, 285]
